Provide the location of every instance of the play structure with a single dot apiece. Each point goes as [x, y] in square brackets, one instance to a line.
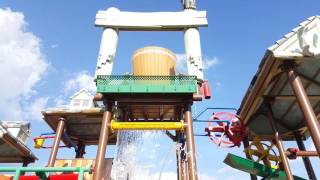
[281, 104]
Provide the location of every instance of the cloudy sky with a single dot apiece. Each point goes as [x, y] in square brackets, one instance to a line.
[48, 51]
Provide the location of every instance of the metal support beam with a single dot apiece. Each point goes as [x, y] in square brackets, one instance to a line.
[303, 153]
[245, 145]
[179, 175]
[309, 79]
[183, 163]
[191, 154]
[115, 126]
[279, 144]
[174, 138]
[56, 142]
[291, 97]
[103, 140]
[305, 106]
[178, 154]
[81, 150]
[306, 160]
[24, 164]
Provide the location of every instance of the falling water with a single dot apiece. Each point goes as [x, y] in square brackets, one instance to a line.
[124, 160]
[138, 156]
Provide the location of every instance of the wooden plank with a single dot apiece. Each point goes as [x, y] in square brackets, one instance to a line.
[154, 21]
[292, 97]
[253, 97]
[81, 162]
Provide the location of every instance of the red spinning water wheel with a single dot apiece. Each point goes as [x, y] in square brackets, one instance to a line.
[225, 129]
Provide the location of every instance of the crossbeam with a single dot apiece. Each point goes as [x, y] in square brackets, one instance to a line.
[115, 125]
[150, 21]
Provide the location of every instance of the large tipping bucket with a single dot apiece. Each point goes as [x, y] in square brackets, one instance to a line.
[153, 61]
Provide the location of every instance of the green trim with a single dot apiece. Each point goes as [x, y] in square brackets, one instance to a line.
[255, 168]
[146, 84]
[41, 170]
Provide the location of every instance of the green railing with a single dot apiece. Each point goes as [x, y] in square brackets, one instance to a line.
[146, 84]
[41, 171]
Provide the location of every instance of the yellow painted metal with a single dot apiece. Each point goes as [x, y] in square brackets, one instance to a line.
[262, 152]
[38, 143]
[115, 125]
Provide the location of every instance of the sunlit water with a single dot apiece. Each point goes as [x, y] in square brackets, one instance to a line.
[139, 155]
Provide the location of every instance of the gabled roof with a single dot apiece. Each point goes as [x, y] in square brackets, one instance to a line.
[302, 41]
[301, 46]
[12, 150]
[83, 90]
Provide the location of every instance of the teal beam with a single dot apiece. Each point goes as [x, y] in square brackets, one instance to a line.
[17, 174]
[81, 174]
[45, 169]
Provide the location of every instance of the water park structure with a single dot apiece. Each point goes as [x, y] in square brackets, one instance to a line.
[282, 103]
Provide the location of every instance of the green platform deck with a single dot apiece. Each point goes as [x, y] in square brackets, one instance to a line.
[146, 84]
[255, 168]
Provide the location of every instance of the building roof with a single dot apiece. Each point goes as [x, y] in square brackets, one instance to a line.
[302, 41]
[301, 46]
[83, 90]
[13, 150]
[82, 125]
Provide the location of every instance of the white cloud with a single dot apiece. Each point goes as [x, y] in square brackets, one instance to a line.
[79, 81]
[59, 101]
[228, 172]
[33, 111]
[209, 62]
[206, 177]
[143, 174]
[22, 63]
[54, 46]
[181, 66]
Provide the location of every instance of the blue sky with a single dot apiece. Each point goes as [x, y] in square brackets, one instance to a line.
[64, 45]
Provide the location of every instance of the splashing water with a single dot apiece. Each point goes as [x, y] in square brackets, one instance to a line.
[124, 160]
[139, 155]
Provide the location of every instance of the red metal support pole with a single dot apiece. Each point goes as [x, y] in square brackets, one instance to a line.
[279, 144]
[305, 106]
[191, 153]
[103, 141]
[56, 142]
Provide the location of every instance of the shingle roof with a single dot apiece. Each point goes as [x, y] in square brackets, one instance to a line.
[293, 32]
[80, 91]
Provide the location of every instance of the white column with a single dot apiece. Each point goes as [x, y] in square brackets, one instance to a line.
[193, 52]
[108, 46]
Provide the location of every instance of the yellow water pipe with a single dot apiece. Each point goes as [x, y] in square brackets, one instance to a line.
[115, 125]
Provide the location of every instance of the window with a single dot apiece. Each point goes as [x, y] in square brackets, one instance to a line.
[85, 103]
[76, 102]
